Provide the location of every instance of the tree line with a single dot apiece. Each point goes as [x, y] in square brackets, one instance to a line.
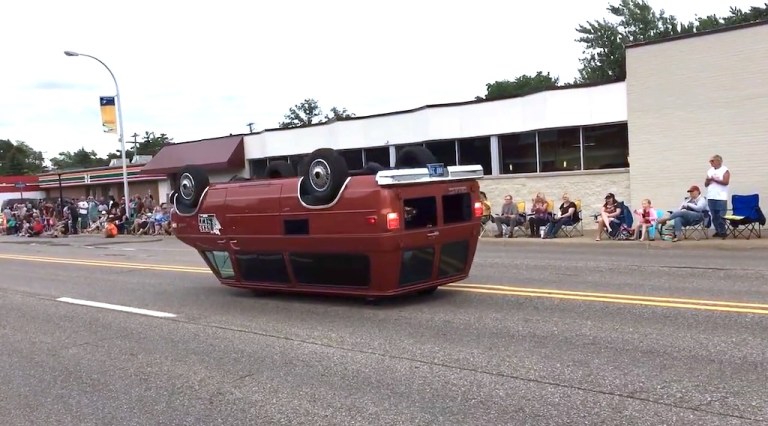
[18, 158]
[604, 41]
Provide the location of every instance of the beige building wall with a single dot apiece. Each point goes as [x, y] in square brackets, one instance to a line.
[588, 186]
[690, 98]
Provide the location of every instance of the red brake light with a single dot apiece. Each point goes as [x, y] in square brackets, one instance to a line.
[393, 220]
[371, 220]
[478, 209]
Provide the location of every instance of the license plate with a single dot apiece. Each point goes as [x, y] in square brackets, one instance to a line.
[437, 170]
[209, 224]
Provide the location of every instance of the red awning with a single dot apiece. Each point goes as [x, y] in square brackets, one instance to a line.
[210, 154]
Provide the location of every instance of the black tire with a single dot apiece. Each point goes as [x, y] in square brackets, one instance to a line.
[373, 167]
[189, 189]
[323, 175]
[279, 169]
[414, 157]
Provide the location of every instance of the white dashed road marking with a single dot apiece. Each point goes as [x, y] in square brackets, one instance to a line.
[117, 307]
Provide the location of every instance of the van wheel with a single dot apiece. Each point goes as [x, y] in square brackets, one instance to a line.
[414, 157]
[189, 189]
[323, 175]
[279, 169]
[373, 167]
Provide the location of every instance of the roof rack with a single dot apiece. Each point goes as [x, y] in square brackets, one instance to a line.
[432, 173]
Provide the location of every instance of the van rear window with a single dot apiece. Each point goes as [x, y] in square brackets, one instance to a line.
[416, 265]
[457, 208]
[453, 258]
[420, 212]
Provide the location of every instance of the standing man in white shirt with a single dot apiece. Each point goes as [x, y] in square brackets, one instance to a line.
[82, 210]
[718, 178]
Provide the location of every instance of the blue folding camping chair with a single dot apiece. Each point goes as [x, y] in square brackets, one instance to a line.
[746, 217]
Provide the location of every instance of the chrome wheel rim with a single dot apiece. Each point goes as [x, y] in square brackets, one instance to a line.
[187, 186]
[320, 175]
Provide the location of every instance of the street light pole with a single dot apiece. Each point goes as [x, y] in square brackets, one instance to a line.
[120, 123]
[61, 196]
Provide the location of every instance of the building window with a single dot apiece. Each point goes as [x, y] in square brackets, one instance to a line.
[354, 158]
[560, 150]
[606, 147]
[377, 155]
[258, 167]
[444, 151]
[295, 161]
[476, 151]
[517, 153]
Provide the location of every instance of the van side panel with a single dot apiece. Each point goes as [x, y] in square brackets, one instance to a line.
[253, 209]
[351, 215]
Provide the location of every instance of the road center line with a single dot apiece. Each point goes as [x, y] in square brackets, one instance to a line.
[684, 303]
[121, 308]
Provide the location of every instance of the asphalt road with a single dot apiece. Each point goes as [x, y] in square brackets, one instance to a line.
[512, 346]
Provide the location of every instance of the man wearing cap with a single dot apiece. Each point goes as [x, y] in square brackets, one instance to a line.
[691, 212]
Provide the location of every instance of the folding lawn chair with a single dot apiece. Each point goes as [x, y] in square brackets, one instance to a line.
[746, 217]
[484, 221]
[576, 227]
[699, 228]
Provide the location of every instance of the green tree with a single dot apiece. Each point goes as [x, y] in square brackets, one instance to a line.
[309, 112]
[635, 21]
[522, 85]
[80, 159]
[152, 144]
[338, 114]
[19, 159]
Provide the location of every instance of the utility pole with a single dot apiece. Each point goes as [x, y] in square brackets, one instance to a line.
[135, 143]
[250, 127]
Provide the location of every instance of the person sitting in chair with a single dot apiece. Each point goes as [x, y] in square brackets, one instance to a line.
[610, 211]
[508, 216]
[487, 217]
[691, 212]
[567, 217]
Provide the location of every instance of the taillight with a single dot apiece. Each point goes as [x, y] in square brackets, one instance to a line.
[393, 220]
[371, 220]
[478, 209]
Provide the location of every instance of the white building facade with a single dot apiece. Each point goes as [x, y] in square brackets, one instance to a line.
[570, 140]
[692, 97]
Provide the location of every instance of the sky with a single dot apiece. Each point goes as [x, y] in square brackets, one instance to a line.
[197, 70]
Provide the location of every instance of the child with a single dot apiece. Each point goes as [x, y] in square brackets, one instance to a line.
[646, 217]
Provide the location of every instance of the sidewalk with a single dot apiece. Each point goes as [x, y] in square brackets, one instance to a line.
[589, 238]
[84, 239]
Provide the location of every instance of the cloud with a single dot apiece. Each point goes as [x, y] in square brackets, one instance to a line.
[217, 69]
[59, 85]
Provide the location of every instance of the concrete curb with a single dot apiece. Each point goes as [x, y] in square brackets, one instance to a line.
[711, 243]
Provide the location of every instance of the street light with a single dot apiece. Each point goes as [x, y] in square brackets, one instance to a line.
[119, 119]
[61, 194]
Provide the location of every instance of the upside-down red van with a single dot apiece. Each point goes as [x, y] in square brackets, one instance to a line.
[372, 232]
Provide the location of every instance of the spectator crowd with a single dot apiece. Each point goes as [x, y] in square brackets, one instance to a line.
[617, 221]
[85, 215]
